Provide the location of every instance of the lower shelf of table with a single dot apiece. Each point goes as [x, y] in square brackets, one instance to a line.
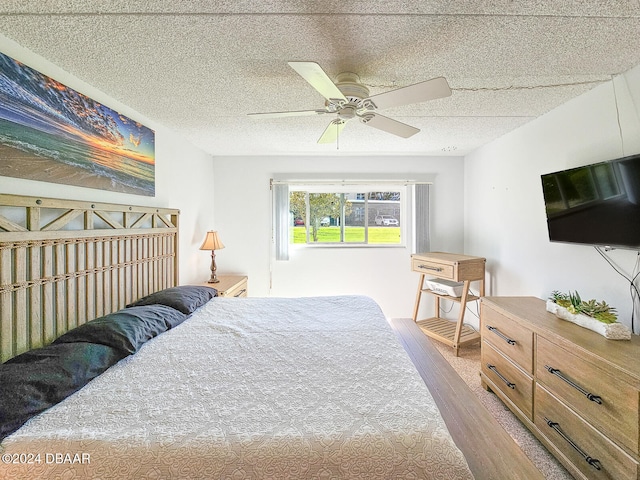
[444, 331]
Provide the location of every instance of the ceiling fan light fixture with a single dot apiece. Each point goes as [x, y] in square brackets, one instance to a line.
[347, 113]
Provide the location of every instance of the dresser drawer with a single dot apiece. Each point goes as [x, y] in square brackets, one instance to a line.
[613, 462]
[617, 414]
[511, 380]
[515, 341]
[430, 267]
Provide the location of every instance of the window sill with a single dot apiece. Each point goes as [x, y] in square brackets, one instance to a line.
[301, 246]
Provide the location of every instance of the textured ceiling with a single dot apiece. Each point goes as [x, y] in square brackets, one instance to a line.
[199, 67]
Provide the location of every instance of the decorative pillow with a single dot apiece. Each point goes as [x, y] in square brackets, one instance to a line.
[40, 378]
[126, 330]
[186, 298]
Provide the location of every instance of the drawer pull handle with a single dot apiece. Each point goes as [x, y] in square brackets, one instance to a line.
[512, 386]
[429, 267]
[501, 335]
[239, 294]
[594, 398]
[595, 463]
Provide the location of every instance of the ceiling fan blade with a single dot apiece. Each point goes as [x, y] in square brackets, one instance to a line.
[420, 92]
[389, 125]
[300, 113]
[331, 133]
[314, 74]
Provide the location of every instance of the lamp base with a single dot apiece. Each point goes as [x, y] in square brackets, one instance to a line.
[214, 277]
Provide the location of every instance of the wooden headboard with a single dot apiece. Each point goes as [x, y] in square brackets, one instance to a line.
[65, 262]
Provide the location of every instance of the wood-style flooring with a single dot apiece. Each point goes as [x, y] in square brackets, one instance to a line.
[490, 452]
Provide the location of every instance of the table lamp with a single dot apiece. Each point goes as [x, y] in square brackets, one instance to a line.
[212, 242]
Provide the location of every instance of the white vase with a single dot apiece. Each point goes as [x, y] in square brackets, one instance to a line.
[612, 331]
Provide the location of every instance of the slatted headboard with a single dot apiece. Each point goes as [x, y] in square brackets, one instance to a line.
[65, 262]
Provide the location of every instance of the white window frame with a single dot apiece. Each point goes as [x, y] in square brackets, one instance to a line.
[353, 189]
[414, 224]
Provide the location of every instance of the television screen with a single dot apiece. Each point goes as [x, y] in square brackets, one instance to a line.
[597, 204]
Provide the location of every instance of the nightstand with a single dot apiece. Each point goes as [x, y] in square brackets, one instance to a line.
[230, 285]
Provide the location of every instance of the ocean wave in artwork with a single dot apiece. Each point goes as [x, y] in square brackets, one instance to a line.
[44, 119]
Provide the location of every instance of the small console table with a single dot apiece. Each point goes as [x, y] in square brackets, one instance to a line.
[448, 266]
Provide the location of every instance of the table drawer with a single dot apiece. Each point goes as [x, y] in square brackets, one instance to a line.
[511, 380]
[602, 399]
[430, 267]
[588, 442]
[239, 290]
[508, 337]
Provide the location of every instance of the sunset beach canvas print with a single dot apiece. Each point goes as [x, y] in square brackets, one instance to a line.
[52, 133]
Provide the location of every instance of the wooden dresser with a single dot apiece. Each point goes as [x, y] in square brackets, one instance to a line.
[577, 391]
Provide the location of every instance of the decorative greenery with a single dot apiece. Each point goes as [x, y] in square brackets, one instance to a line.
[574, 304]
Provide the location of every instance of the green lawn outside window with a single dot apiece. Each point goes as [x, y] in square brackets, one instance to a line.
[377, 235]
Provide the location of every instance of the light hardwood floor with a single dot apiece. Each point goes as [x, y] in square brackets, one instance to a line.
[491, 453]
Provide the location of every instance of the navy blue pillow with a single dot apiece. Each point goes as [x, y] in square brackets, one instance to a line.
[126, 330]
[186, 298]
[38, 379]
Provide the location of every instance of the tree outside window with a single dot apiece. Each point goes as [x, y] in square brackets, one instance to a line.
[353, 218]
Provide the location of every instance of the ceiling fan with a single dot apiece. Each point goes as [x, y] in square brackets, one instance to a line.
[347, 98]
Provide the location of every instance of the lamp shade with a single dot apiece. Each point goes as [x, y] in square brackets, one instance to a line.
[212, 242]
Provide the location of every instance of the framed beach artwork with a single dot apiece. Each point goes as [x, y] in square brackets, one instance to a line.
[52, 133]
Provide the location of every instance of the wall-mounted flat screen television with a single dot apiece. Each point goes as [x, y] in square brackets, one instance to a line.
[598, 204]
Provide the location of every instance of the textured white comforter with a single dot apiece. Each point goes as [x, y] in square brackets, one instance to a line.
[250, 388]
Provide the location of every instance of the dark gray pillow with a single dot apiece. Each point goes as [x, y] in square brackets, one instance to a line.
[38, 379]
[126, 330]
[186, 298]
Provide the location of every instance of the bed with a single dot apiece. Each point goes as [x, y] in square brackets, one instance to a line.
[156, 380]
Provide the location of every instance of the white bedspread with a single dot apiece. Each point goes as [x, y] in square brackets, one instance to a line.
[265, 388]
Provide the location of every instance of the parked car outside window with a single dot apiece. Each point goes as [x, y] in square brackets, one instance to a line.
[386, 220]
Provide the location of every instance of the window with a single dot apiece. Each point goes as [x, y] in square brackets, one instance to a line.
[329, 217]
[350, 213]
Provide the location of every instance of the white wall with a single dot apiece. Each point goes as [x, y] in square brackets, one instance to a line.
[504, 208]
[242, 202]
[184, 173]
